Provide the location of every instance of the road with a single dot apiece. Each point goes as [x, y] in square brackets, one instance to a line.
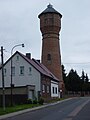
[73, 109]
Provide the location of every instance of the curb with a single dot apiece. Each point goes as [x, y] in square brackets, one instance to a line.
[31, 109]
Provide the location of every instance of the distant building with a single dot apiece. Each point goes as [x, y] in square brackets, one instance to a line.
[50, 26]
[30, 79]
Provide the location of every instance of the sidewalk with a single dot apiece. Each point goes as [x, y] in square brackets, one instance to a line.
[31, 109]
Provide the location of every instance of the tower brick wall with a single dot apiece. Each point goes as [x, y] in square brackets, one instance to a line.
[50, 25]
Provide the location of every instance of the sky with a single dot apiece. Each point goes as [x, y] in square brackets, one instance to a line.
[19, 23]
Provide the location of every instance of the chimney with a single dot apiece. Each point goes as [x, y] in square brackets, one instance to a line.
[38, 61]
[28, 55]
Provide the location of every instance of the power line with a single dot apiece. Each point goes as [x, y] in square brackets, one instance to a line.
[78, 63]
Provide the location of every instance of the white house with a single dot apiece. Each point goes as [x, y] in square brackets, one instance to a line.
[30, 79]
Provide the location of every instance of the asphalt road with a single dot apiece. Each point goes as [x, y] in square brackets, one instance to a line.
[73, 109]
[84, 114]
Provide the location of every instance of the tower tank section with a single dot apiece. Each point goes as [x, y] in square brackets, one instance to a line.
[50, 26]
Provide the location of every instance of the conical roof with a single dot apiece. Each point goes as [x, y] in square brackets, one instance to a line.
[49, 9]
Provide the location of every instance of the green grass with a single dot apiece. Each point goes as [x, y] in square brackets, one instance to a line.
[16, 108]
[55, 100]
[24, 106]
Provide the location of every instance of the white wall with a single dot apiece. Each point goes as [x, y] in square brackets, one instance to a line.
[21, 80]
[55, 86]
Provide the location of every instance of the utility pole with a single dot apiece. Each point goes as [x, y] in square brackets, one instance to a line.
[3, 86]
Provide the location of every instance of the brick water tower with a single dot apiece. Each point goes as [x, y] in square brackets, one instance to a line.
[50, 25]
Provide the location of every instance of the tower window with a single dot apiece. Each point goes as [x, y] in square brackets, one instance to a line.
[49, 57]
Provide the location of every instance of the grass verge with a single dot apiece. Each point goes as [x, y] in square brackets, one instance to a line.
[24, 106]
[16, 108]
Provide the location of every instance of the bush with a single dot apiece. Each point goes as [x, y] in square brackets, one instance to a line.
[29, 101]
[35, 101]
[41, 101]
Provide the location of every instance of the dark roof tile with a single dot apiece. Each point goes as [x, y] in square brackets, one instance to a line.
[49, 9]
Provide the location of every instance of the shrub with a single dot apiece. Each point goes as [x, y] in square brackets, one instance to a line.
[41, 101]
[35, 101]
[29, 101]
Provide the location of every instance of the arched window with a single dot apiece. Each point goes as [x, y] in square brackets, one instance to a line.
[49, 57]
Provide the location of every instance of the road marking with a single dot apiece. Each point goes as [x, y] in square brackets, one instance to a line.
[76, 111]
[67, 119]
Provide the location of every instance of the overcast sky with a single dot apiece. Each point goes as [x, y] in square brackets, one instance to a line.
[19, 23]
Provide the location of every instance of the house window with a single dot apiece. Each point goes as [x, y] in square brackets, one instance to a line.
[48, 89]
[53, 89]
[5, 71]
[49, 57]
[17, 58]
[56, 90]
[43, 88]
[13, 71]
[21, 70]
[30, 70]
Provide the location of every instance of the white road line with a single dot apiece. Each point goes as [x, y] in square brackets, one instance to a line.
[76, 111]
[67, 119]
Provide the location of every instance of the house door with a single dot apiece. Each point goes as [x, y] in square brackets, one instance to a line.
[31, 94]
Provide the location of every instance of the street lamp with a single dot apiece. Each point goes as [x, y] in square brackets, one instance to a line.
[11, 71]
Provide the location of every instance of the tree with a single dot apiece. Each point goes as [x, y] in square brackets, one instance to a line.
[86, 78]
[83, 76]
[73, 81]
[85, 82]
[64, 73]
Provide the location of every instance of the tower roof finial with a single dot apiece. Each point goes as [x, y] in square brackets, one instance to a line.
[49, 6]
[49, 9]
